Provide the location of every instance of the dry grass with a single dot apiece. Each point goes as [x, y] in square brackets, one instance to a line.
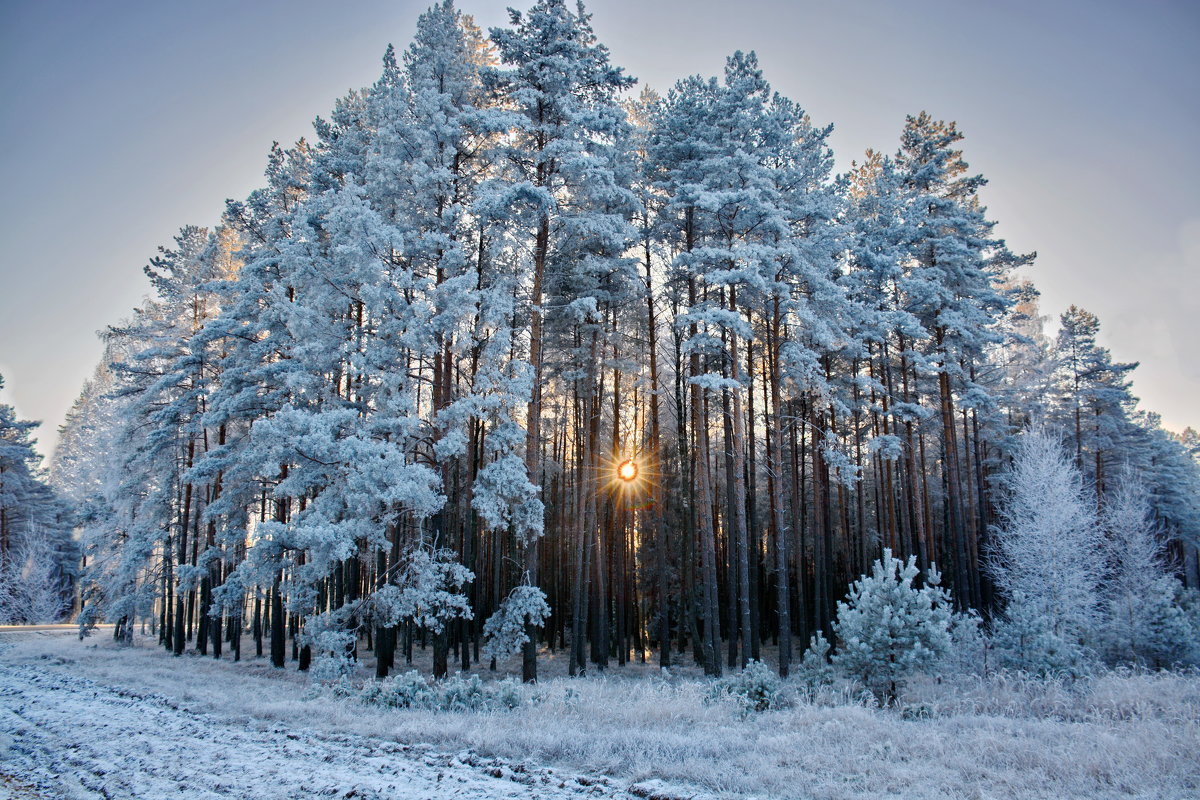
[1116, 735]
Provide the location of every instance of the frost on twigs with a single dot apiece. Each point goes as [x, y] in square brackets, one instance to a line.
[505, 630]
[1047, 561]
[428, 592]
[31, 589]
[332, 642]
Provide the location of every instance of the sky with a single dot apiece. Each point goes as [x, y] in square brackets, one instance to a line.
[122, 121]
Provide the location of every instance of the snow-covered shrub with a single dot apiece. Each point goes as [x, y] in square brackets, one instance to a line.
[332, 641]
[815, 669]
[332, 660]
[889, 628]
[1148, 626]
[1188, 602]
[969, 647]
[1027, 641]
[405, 690]
[1047, 562]
[508, 694]
[89, 618]
[460, 693]
[457, 693]
[505, 630]
[756, 688]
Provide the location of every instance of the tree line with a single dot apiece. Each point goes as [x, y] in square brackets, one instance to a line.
[507, 358]
[38, 555]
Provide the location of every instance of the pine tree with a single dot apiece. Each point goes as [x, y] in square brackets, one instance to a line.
[36, 553]
[953, 289]
[569, 207]
[888, 628]
[1142, 622]
[1095, 395]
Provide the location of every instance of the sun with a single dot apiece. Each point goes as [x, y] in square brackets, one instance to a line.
[629, 477]
[628, 470]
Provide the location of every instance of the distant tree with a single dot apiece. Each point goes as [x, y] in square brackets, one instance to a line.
[32, 585]
[36, 551]
[1143, 624]
[1096, 401]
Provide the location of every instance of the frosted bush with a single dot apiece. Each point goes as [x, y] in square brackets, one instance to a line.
[890, 629]
[1028, 641]
[457, 693]
[969, 647]
[505, 631]
[406, 690]
[332, 661]
[462, 694]
[756, 688]
[1188, 601]
[508, 694]
[815, 668]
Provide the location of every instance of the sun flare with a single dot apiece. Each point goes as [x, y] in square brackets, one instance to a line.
[628, 470]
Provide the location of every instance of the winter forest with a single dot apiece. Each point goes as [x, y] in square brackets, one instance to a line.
[511, 362]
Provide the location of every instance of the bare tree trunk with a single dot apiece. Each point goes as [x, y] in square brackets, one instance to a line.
[775, 490]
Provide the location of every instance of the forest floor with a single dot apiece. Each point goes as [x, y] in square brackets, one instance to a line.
[91, 719]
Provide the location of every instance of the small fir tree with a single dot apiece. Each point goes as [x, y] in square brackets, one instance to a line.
[890, 628]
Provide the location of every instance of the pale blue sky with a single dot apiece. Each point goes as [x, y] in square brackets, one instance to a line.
[122, 121]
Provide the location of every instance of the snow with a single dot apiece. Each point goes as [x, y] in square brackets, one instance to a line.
[158, 728]
[73, 737]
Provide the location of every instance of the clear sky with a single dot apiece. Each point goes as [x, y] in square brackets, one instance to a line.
[121, 121]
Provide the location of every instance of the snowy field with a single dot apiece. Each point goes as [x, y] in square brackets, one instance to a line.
[88, 719]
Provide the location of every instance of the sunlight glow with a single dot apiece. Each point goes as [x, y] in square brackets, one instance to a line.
[628, 470]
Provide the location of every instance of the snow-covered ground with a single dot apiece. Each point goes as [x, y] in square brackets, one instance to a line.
[64, 735]
[88, 719]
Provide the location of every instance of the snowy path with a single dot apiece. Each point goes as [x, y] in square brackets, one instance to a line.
[64, 737]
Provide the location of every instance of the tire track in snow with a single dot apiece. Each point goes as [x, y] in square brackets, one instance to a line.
[74, 738]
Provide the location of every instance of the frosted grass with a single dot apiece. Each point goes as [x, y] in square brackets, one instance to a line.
[1117, 735]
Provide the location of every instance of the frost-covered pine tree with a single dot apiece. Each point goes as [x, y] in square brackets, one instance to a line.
[36, 552]
[253, 343]
[508, 630]
[563, 195]
[1047, 560]
[953, 286]
[888, 628]
[1094, 396]
[1142, 622]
